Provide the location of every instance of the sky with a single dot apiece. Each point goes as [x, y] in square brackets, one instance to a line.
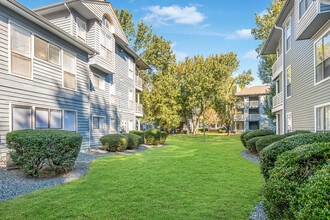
[197, 27]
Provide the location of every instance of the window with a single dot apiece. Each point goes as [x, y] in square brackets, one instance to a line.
[323, 118]
[105, 46]
[81, 30]
[303, 6]
[123, 126]
[98, 82]
[288, 82]
[69, 76]
[69, 120]
[20, 51]
[21, 117]
[322, 56]
[288, 35]
[107, 23]
[46, 51]
[98, 122]
[48, 118]
[289, 121]
[131, 68]
[130, 99]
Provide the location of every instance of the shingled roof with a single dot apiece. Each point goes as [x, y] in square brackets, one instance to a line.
[254, 90]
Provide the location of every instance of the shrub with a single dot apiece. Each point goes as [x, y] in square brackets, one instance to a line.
[133, 140]
[114, 142]
[251, 144]
[201, 130]
[140, 133]
[269, 154]
[312, 200]
[269, 139]
[163, 137]
[256, 133]
[154, 136]
[41, 152]
[242, 137]
[292, 169]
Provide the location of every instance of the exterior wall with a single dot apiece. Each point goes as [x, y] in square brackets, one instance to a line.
[62, 19]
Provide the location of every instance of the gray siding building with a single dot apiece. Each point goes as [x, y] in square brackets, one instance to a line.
[67, 66]
[301, 42]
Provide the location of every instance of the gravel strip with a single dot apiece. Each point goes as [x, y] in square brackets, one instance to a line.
[13, 183]
[258, 213]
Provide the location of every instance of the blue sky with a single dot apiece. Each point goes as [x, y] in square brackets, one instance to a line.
[197, 27]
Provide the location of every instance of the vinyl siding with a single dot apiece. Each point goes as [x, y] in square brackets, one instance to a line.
[306, 19]
[62, 19]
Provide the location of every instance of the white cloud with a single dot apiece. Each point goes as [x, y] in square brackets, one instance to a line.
[252, 54]
[241, 34]
[261, 14]
[175, 13]
[180, 56]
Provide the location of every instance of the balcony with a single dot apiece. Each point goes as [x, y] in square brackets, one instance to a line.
[254, 117]
[240, 104]
[105, 64]
[138, 83]
[139, 109]
[277, 67]
[278, 102]
[239, 117]
[254, 104]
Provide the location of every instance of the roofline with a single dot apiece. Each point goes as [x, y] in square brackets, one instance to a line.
[44, 23]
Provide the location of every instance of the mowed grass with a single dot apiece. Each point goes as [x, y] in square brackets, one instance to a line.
[187, 179]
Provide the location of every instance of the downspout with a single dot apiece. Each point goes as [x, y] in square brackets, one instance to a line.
[283, 78]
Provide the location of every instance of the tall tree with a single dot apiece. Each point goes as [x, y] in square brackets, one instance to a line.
[126, 20]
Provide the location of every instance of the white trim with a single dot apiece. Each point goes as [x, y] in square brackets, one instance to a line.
[75, 69]
[286, 79]
[82, 38]
[104, 124]
[315, 108]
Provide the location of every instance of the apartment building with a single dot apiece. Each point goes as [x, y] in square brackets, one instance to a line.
[300, 39]
[250, 113]
[67, 66]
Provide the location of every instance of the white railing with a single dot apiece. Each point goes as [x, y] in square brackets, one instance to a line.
[138, 81]
[254, 104]
[277, 67]
[278, 100]
[139, 108]
[254, 117]
[239, 117]
[240, 104]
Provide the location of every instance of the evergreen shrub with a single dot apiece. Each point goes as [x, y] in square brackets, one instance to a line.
[114, 142]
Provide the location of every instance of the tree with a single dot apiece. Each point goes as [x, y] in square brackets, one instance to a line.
[211, 118]
[125, 20]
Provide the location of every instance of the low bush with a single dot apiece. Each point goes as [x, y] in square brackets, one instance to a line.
[41, 152]
[201, 130]
[312, 200]
[140, 133]
[155, 136]
[251, 144]
[269, 154]
[242, 137]
[269, 139]
[292, 169]
[133, 141]
[114, 142]
[256, 133]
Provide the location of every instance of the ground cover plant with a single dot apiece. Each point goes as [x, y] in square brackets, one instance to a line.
[186, 179]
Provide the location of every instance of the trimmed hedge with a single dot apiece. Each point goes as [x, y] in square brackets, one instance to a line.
[312, 200]
[155, 136]
[114, 142]
[269, 139]
[242, 137]
[40, 152]
[292, 169]
[255, 133]
[251, 144]
[140, 133]
[269, 155]
[133, 141]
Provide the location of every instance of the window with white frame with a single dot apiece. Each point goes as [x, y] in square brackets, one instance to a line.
[131, 68]
[69, 73]
[303, 6]
[289, 121]
[99, 82]
[123, 126]
[46, 51]
[288, 82]
[21, 117]
[48, 118]
[130, 99]
[69, 120]
[322, 58]
[107, 24]
[288, 35]
[20, 47]
[81, 29]
[105, 46]
[323, 118]
[98, 122]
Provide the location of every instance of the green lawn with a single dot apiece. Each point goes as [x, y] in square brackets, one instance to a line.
[187, 179]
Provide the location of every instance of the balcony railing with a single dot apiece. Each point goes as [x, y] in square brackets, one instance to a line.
[277, 67]
[254, 104]
[254, 117]
[139, 108]
[239, 117]
[278, 100]
[138, 82]
[240, 104]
